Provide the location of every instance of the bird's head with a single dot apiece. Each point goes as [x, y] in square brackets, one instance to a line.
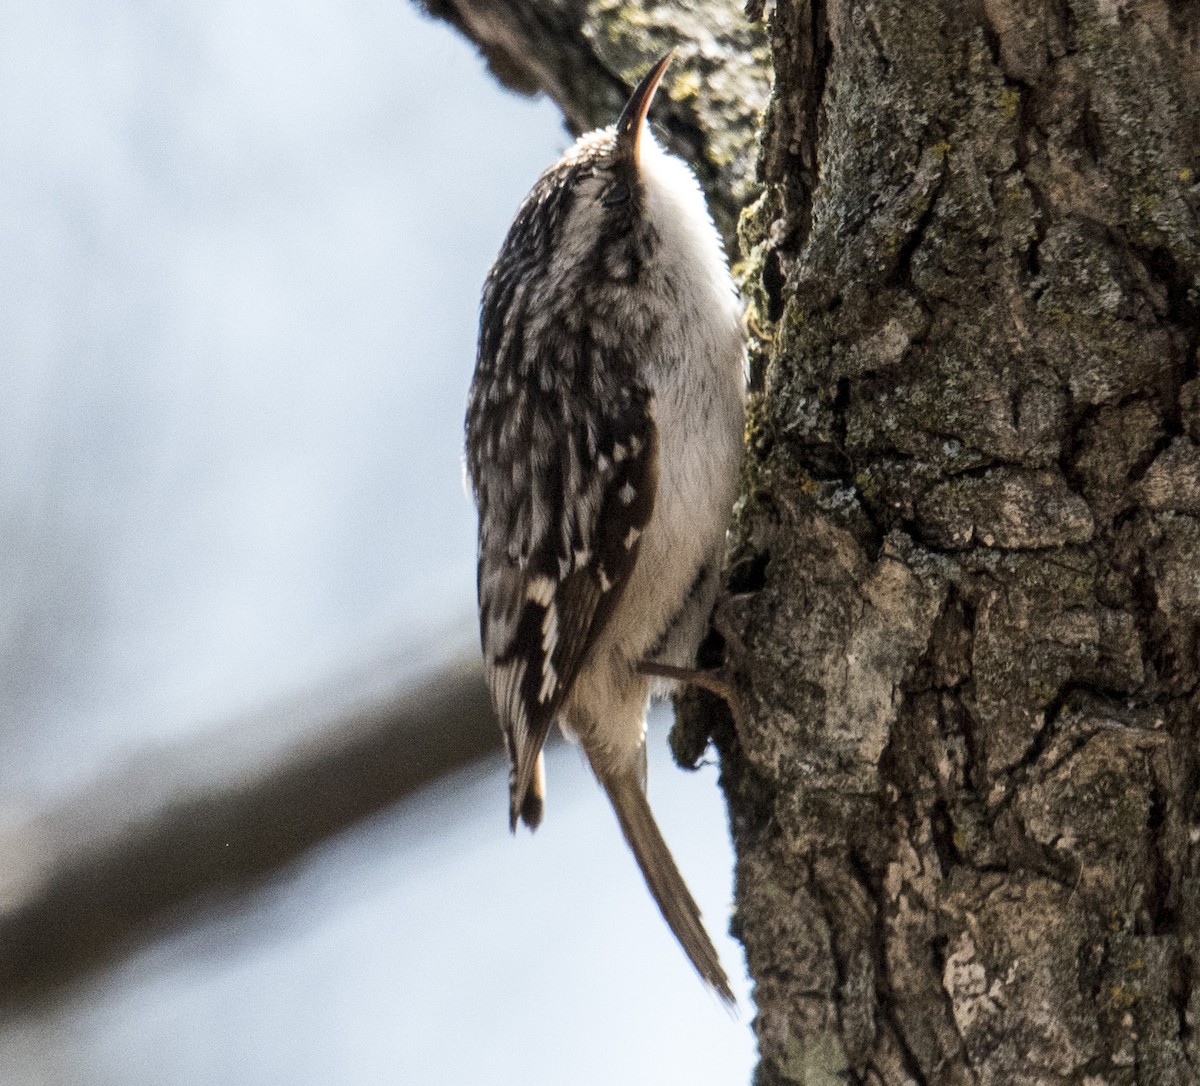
[626, 152]
[606, 164]
[594, 195]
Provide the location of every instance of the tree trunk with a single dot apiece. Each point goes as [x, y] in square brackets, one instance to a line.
[966, 583]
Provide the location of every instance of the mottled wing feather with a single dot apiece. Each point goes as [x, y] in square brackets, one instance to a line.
[562, 454]
[544, 600]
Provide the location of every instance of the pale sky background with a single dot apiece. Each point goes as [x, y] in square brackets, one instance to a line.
[242, 245]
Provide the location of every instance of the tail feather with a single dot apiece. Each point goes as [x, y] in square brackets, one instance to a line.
[662, 877]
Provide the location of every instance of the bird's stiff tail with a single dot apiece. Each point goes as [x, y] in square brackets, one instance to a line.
[662, 877]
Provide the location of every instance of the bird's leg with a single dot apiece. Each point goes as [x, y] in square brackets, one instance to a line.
[716, 680]
[723, 622]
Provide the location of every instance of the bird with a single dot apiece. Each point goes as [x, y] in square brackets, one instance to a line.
[604, 435]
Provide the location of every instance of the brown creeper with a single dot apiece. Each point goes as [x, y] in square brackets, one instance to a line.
[604, 433]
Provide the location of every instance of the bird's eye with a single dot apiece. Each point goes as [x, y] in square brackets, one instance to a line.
[617, 194]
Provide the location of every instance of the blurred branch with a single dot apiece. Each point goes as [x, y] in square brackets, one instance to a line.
[588, 54]
[84, 881]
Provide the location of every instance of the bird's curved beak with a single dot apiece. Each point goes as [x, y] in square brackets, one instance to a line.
[629, 124]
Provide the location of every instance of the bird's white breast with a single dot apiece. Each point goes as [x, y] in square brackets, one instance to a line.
[697, 374]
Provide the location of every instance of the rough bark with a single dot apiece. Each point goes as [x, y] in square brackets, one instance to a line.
[966, 585]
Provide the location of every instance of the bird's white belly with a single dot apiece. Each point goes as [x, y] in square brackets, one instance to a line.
[700, 423]
[694, 363]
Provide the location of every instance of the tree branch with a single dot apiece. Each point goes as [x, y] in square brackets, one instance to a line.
[83, 881]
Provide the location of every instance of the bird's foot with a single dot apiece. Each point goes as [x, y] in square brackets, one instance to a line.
[716, 680]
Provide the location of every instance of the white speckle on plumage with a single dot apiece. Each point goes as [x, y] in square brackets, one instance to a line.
[550, 630]
[540, 590]
[549, 682]
[627, 494]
